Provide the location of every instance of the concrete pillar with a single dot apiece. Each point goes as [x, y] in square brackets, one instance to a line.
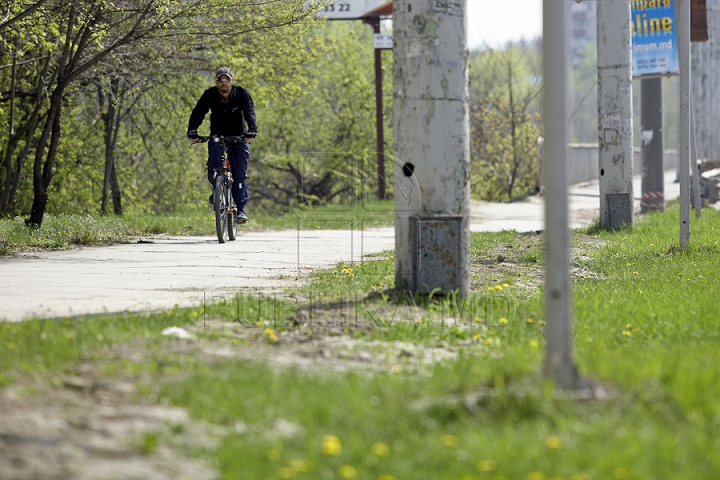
[559, 363]
[615, 114]
[653, 165]
[432, 149]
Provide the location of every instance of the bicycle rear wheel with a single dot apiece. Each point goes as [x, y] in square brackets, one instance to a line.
[220, 204]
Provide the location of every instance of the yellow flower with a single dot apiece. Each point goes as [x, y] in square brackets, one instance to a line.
[636, 273]
[271, 335]
[347, 471]
[628, 325]
[488, 341]
[487, 465]
[380, 449]
[627, 333]
[622, 472]
[628, 264]
[298, 465]
[286, 472]
[449, 440]
[331, 445]
[491, 289]
[553, 442]
[530, 321]
[477, 337]
[503, 321]
[498, 288]
[477, 320]
[541, 322]
[418, 321]
[534, 343]
[506, 285]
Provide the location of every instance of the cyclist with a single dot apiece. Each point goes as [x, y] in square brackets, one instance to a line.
[231, 108]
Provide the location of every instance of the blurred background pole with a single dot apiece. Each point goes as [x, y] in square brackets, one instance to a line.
[559, 363]
[697, 192]
[683, 19]
[653, 163]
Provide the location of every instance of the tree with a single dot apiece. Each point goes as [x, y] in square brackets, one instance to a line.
[504, 122]
[87, 33]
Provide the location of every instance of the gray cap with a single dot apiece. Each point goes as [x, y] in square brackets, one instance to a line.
[223, 71]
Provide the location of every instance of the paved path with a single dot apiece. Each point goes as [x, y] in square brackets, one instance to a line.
[180, 270]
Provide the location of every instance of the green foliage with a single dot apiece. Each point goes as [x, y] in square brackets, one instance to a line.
[504, 122]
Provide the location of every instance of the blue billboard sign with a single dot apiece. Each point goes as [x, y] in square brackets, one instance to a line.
[654, 38]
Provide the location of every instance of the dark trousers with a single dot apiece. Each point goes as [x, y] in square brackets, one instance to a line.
[238, 153]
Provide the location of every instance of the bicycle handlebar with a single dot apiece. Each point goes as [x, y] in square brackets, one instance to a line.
[227, 140]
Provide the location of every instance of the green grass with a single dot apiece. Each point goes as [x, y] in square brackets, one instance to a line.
[645, 329]
[64, 231]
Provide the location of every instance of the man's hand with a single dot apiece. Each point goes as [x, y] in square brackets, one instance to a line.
[250, 136]
[193, 136]
[194, 139]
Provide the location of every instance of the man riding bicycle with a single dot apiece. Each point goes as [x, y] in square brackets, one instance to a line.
[231, 107]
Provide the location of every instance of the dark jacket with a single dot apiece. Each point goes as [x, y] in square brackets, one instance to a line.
[225, 118]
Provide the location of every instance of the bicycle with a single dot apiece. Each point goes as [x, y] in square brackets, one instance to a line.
[223, 202]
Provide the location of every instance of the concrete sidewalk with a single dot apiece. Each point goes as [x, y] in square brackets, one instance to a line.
[529, 215]
[158, 274]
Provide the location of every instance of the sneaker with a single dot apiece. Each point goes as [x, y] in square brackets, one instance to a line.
[241, 217]
[212, 198]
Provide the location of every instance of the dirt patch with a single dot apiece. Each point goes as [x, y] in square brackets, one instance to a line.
[93, 428]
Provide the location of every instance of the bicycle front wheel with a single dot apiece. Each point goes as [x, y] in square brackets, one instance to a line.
[221, 209]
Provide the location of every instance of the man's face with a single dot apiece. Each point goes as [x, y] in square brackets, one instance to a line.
[224, 83]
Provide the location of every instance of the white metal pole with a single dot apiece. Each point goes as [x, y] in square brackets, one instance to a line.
[615, 118]
[697, 196]
[683, 7]
[559, 363]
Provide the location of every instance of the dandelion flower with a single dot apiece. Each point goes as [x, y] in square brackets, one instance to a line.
[530, 321]
[628, 325]
[449, 440]
[553, 442]
[347, 471]
[503, 321]
[477, 337]
[286, 472]
[380, 449]
[331, 445]
[477, 319]
[487, 465]
[534, 343]
[541, 322]
[627, 333]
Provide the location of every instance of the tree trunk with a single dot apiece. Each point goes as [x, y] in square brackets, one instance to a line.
[110, 118]
[43, 173]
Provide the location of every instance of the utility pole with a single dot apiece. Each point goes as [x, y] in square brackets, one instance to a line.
[683, 29]
[653, 163]
[432, 148]
[374, 22]
[615, 114]
[559, 363]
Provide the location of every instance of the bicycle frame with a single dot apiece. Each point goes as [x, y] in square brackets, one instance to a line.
[224, 205]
